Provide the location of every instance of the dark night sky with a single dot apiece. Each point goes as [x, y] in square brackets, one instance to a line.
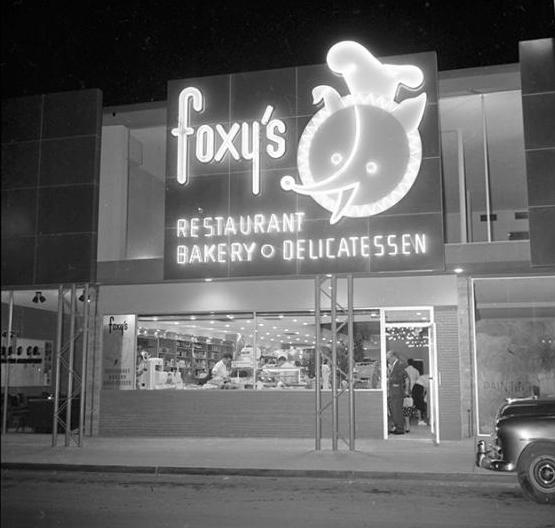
[131, 49]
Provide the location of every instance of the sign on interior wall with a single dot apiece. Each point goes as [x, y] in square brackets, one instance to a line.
[118, 352]
[29, 361]
[319, 169]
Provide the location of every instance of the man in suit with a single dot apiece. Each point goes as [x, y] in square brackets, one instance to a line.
[397, 388]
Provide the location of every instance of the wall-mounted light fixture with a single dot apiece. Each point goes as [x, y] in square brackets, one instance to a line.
[82, 297]
[39, 297]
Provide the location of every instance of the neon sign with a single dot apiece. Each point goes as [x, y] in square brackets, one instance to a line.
[199, 249]
[213, 143]
[360, 154]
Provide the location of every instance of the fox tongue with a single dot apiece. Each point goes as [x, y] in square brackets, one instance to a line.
[345, 197]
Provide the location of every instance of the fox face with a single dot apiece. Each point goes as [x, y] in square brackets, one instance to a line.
[376, 160]
[360, 154]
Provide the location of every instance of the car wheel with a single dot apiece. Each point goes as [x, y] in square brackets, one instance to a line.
[536, 472]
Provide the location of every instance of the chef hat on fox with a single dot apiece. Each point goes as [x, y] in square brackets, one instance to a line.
[364, 74]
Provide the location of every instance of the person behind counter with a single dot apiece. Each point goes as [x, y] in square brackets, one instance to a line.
[284, 363]
[221, 370]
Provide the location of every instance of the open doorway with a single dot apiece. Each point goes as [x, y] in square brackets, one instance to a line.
[409, 335]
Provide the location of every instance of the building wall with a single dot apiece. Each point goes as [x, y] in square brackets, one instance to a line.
[50, 168]
[537, 61]
[206, 413]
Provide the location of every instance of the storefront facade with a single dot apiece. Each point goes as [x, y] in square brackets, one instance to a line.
[224, 211]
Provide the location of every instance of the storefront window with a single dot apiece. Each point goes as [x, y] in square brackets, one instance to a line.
[177, 352]
[267, 351]
[514, 342]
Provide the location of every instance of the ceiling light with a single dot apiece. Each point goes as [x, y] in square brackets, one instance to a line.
[208, 280]
[39, 297]
[458, 270]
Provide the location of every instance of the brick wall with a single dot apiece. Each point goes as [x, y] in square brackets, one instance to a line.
[448, 365]
[206, 413]
[464, 317]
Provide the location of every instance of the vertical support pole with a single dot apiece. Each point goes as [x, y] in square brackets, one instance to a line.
[58, 359]
[486, 166]
[462, 188]
[70, 364]
[254, 346]
[350, 325]
[317, 372]
[7, 372]
[334, 412]
[84, 365]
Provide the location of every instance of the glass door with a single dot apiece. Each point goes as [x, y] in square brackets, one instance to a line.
[433, 403]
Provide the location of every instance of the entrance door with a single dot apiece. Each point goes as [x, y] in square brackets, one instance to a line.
[411, 333]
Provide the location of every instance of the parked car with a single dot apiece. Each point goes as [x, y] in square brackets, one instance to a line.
[523, 441]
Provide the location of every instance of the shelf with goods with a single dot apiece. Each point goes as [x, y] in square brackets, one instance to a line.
[184, 355]
[167, 352]
[193, 356]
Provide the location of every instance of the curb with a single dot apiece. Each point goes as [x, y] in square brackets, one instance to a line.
[260, 472]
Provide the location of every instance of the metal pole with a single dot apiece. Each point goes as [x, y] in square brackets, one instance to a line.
[462, 188]
[7, 374]
[254, 345]
[70, 364]
[84, 364]
[317, 377]
[58, 360]
[486, 166]
[350, 325]
[334, 412]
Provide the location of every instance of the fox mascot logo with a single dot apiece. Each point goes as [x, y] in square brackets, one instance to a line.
[360, 154]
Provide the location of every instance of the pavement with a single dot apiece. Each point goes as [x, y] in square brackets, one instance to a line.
[397, 457]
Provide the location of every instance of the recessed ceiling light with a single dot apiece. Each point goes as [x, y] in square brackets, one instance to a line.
[458, 270]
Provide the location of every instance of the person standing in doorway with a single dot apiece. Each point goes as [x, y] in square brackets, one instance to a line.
[412, 373]
[420, 397]
[397, 385]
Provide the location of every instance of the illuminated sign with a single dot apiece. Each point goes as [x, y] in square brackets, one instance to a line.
[214, 143]
[360, 154]
[260, 184]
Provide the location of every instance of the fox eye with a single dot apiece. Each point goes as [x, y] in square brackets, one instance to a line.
[336, 158]
[371, 167]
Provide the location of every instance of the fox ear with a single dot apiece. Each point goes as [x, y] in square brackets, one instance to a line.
[409, 112]
[332, 99]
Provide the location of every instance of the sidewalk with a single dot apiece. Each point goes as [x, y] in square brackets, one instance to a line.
[396, 457]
